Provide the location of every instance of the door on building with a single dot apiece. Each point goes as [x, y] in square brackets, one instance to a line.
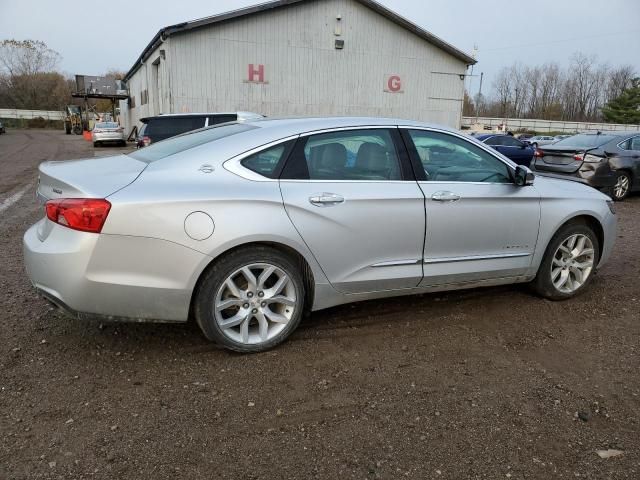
[352, 197]
[479, 224]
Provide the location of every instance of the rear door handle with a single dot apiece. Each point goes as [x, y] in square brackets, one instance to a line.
[325, 199]
[445, 197]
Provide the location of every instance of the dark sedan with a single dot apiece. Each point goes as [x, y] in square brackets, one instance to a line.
[608, 161]
[512, 148]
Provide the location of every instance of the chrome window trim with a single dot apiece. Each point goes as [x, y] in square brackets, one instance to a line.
[475, 258]
[235, 166]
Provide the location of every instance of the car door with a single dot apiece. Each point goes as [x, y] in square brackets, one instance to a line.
[628, 158]
[480, 225]
[352, 196]
[516, 150]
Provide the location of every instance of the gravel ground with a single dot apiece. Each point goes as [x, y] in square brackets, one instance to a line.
[492, 383]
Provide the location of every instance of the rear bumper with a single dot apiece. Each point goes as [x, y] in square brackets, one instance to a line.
[111, 277]
[598, 176]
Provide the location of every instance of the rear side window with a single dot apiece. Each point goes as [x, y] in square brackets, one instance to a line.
[267, 162]
[632, 144]
[171, 126]
[368, 155]
[157, 151]
[585, 141]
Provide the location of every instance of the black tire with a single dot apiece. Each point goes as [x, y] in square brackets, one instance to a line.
[96, 144]
[543, 283]
[617, 194]
[213, 280]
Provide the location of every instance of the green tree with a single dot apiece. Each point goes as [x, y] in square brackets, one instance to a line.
[626, 107]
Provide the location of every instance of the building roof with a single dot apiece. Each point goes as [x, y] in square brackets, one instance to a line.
[166, 32]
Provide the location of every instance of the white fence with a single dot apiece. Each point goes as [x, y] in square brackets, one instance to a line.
[46, 114]
[536, 125]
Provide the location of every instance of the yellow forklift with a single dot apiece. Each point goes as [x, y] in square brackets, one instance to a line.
[73, 120]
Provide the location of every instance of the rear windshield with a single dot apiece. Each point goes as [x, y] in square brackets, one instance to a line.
[163, 149]
[107, 125]
[585, 141]
[171, 126]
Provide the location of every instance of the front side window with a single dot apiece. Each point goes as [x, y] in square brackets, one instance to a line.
[365, 155]
[511, 142]
[446, 158]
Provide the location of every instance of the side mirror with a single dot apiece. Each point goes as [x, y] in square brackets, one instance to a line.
[524, 176]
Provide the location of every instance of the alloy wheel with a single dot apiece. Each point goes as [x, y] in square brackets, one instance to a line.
[572, 263]
[255, 303]
[621, 188]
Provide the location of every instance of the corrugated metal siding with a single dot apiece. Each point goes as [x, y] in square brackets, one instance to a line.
[206, 69]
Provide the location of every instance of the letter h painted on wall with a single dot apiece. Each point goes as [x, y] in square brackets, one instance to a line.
[256, 74]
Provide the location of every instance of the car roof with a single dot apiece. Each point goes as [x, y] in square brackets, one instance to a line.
[295, 126]
[484, 136]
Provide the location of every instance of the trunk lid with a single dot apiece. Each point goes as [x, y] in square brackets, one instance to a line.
[561, 160]
[87, 178]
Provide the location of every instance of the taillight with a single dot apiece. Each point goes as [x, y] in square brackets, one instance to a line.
[120, 129]
[95, 130]
[84, 214]
[538, 153]
[146, 141]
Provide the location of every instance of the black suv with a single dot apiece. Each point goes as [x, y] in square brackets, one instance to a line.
[161, 127]
[608, 161]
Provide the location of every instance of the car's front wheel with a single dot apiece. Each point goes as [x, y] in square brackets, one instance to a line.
[569, 263]
[622, 187]
[250, 300]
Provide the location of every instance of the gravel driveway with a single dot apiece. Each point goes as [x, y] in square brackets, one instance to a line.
[493, 383]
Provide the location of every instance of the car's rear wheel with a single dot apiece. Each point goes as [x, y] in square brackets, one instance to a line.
[569, 263]
[622, 187]
[250, 300]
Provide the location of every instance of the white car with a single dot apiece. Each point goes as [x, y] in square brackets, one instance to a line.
[108, 132]
[539, 140]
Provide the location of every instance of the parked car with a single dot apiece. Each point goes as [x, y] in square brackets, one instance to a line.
[108, 132]
[512, 148]
[273, 218]
[162, 127]
[607, 161]
[524, 137]
[539, 140]
[2, 130]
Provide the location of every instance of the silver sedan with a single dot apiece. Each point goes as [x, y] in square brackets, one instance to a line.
[108, 132]
[246, 226]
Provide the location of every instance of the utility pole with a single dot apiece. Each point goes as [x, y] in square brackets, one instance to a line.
[479, 98]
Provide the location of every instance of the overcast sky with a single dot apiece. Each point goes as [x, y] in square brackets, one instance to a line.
[93, 37]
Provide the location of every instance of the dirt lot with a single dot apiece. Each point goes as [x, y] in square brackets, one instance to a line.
[492, 383]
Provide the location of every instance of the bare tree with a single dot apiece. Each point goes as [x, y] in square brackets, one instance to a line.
[548, 92]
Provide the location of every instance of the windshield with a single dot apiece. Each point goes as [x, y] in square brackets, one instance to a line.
[189, 140]
[107, 125]
[584, 141]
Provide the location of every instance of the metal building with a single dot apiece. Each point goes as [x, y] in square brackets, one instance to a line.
[300, 58]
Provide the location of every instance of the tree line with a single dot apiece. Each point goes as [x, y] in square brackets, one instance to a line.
[583, 91]
[30, 78]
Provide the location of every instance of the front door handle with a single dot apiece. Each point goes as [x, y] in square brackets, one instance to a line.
[325, 199]
[445, 197]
